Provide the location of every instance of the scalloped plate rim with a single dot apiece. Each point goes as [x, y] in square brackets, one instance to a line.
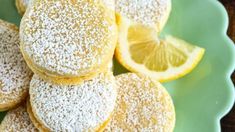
[232, 65]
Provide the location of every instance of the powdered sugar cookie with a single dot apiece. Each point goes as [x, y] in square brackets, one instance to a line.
[68, 41]
[22, 5]
[142, 105]
[17, 120]
[84, 107]
[152, 13]
[14, 73]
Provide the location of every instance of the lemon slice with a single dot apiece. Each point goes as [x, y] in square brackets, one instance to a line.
[140, 50]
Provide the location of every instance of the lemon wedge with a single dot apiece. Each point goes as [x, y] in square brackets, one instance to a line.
[140, 50]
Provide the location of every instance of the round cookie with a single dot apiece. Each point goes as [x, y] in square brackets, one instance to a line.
[68, 41]
[17, 120]
[84, 107]
[152, 13]
[14, 73]
[21, 6]
[142, 105]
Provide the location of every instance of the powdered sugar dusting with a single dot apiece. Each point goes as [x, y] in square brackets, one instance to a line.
[68, 38]
[73, 107]
[141, 106]
[14, 73]
[147, 12]
[17, 120]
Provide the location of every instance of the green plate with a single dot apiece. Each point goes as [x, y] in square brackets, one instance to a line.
[205, 95]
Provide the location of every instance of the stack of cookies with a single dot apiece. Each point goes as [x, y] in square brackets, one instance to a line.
[69, 46]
